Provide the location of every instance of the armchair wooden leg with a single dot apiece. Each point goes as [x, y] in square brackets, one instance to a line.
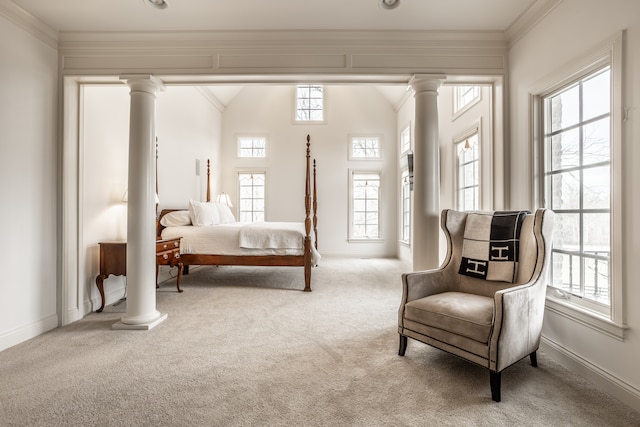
[494, 381]
[534, 359]
[403, 345]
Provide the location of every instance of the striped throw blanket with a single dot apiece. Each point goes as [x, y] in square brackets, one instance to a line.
[490, 247]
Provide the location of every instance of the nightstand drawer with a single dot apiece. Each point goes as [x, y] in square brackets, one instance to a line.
[167, 245]
[168, 257]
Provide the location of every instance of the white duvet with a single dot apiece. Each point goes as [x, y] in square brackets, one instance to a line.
[267, 238]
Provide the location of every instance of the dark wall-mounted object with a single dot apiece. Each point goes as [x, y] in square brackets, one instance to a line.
[410, 165]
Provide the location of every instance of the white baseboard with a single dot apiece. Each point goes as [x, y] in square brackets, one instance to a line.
[110, 296]
[27, 332]
[602, 379]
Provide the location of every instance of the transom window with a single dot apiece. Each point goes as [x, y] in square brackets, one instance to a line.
[252, 146]
[309, 103]
[577, 184]
[251, 187]
[365, 147]
[464, 96]
[405, 140]
[365, 205]
[468, 174]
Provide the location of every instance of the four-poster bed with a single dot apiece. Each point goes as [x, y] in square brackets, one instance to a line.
[226, 242]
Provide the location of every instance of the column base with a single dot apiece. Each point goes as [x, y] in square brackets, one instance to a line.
[140, 326]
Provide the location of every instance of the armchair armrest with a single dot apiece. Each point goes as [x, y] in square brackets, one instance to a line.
[421, 284]
[519, 313]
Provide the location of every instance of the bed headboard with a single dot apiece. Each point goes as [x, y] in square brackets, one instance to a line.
[160, 227]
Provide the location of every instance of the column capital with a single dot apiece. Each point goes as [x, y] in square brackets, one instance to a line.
[142, 82]
[426, 82]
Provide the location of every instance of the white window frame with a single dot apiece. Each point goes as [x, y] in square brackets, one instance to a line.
[240, 198]
[405, 207]
[354, 137]
[296, 120]
[462, 139]
[405, 135]
[240, 137]
[351, 237]
[609, 322]
[459, 109]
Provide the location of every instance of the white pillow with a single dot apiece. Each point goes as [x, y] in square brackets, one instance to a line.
[226, 216]
[203, 214]
[176, 219]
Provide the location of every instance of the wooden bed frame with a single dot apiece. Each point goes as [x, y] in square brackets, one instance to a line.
[305, 260]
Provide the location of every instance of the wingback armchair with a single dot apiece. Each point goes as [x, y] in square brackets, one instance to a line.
[492, 323]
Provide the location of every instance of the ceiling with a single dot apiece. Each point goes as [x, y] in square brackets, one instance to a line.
[229, 15]
[205, 15]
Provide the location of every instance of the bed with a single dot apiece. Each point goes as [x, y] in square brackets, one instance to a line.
[211, 236]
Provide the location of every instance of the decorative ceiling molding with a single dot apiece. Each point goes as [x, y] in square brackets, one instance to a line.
[529, 19]
[209, 96]
[29, 23]
[283, 38]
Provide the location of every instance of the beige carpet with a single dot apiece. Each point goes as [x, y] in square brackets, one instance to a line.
[245, 347]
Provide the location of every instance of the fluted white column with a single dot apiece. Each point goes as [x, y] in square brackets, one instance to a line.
[426, 176]
[141, 226]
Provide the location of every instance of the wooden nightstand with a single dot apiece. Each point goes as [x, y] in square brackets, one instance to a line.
[113, 260]
[168, 253]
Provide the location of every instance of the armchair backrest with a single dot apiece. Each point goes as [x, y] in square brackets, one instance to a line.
[535, 236]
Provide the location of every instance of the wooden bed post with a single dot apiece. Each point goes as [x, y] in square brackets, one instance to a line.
[208, 180]
[307, 221]
[315, 205]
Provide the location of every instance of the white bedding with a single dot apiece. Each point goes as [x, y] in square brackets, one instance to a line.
[224, 239]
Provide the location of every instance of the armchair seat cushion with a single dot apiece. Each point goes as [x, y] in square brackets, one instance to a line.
[464, 314]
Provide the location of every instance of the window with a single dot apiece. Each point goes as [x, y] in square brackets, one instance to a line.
[365, 205]
[405, 140]
[252, 146]
[577, 184]
[464, 96]
[251, 190]
[468, 173]
[365, 148]
[577, 131]
[309, 103]
[405, 185]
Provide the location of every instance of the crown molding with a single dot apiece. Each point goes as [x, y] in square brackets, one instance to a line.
[529, 19]
[283, 38]
[209, 96]
[29, 23]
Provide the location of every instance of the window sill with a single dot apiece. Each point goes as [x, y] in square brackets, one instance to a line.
[364, 240]
[585, 317]
[309, 122]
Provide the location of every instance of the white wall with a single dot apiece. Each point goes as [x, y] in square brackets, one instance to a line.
[104, 168]
[349, 110]
[188, 128]
[28, 185]
[557, 40]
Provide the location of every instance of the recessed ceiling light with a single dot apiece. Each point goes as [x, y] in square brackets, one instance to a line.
[158, 4]
[389, 4]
